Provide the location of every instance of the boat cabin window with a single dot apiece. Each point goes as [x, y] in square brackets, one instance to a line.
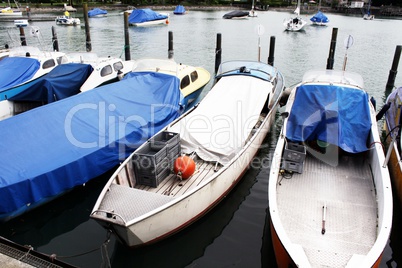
[185, 82]
[48, 64]
[118, 66]
[194, 76]
[106, 70]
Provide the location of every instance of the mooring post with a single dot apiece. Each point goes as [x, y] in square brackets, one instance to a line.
[394, 69]
[127, 54]
[331, 56]
[218, 51]
[271, 51]
[55, 42]
[22, 37]
[88, 44]
[170, 49]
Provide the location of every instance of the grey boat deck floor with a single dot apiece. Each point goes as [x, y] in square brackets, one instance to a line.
[348, 192]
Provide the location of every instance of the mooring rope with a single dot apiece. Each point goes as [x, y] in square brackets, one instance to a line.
[102, 248]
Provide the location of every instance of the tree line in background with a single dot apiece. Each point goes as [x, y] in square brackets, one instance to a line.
[245, 3]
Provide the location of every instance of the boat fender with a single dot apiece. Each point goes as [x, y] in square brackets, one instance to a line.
[167, 21]
[184, 166]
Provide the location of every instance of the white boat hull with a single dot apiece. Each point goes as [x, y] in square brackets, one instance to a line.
[294, 24]
[178, 205]
[151, 23]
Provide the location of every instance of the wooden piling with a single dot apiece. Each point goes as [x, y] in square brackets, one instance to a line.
[394, 69]
[127, 54]
[218, 51]
[331, 56]
[271, 51]
[55, 42]
[22, 37]
[170, 48]
[88, 44]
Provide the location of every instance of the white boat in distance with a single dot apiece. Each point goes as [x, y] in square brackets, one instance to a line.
[296, 23]
[66, 19]
[331, 206]
[11, 12]
[143, 204]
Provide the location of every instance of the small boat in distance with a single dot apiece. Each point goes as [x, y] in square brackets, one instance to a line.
[11, 12]
[21, 23]
[236, 15]
[319, 19]
[368, 15]
[66, 19]
[252, 13]
[181, 173]
[330, 196]
[296, 23]
[179, 10]
[147, 17]
[97, 13]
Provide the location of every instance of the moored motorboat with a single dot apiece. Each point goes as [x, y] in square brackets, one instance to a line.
[106, 69]
[67, 20]
[178, 175]
[21, 23]
[147, 17]
[56, 147]
[179, 10]
[330, 196]
[393, 120]
[26, 63]
[319, 19]
[236, 15]
[192, 79]
[97, 13]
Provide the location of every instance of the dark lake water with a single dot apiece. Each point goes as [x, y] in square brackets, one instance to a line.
[235, 233]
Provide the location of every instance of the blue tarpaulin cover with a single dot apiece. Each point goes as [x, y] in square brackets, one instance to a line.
[179, 10]
[96, 11]
[63, 81]
[319, 17]
[143, 15]
[333, 114]
[51, 149]
[15, 71]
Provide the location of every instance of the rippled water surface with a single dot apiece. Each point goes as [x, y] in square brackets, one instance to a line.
[234, 233]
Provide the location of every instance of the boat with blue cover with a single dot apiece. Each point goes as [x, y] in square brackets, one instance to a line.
[319, 18]
[329, 191]
[63, 81]
[97, 13]
[147, 17]
[179, 10]
[53, 148]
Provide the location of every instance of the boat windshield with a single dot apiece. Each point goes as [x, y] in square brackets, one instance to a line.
[334, 76]
[253, 68]
[156, 65]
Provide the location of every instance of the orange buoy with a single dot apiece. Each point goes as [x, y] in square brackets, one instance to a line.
[184, 166]
[167, 21]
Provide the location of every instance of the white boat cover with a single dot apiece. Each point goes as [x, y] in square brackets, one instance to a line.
[219, 127]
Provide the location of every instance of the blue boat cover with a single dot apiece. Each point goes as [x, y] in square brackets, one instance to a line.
[333, 114]
[63, 81]
[96, 11]
[51, 149]
[319, 17]
[143, 15]
[16, 70]
[179, 10]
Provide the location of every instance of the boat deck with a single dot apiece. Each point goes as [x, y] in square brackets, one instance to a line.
[121, 199]
[348, 193]
[173, 186]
